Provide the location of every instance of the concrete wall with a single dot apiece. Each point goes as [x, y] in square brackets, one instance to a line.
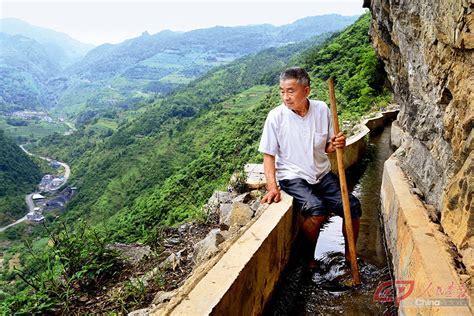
[241, 282]
[420, 252]
[356, 144]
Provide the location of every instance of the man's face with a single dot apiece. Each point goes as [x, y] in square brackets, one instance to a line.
[293, 93]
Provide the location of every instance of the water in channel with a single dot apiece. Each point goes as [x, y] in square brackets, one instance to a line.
[323, 292]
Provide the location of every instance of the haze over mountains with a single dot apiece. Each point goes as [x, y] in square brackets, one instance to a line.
[44, 69]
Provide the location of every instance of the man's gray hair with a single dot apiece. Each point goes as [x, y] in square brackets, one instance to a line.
[296, 73]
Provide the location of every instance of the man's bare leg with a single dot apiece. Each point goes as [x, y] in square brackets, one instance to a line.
[311, 228]
[355, 229]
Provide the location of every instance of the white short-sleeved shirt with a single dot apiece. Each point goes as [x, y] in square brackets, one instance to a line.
[298, 143]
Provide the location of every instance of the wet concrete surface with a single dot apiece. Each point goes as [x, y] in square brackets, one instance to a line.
[327, 290]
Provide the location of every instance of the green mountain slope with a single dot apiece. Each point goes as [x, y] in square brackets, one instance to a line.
[65, 49]
[158, 142]
[25, 67]
[18, 176]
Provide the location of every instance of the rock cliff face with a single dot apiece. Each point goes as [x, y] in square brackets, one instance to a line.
[428, 50]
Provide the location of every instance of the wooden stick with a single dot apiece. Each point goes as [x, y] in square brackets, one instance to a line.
[344, 192]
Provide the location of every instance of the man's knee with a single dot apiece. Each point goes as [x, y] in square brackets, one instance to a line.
[313, 206]
[315, 220]
[313, 223]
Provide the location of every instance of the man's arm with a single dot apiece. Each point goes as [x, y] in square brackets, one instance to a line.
[337, 141]
[273, 194]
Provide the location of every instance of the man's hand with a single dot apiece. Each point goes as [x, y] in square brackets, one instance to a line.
[337, 141]
[273, 195]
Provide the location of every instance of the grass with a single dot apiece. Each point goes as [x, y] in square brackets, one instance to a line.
[33, 131]
[215, 122]
[176, 78]
[246, 99]
[106, 123]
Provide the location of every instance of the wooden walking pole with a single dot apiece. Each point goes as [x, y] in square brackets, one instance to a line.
[344, 192]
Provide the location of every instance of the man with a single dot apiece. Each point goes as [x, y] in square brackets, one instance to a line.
[295, 139]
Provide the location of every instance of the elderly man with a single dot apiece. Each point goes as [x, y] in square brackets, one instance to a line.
[295, 139]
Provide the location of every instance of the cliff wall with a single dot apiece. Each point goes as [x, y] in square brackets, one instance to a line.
[428, 50]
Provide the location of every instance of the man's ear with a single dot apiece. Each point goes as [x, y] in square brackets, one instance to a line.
[307, 90]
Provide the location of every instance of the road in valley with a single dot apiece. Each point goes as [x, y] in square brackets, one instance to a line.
[28, 197]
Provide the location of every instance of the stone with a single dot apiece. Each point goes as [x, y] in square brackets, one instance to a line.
[162, 297]
[207, 247]
[224, 211]
[219, 197]
[255, 176]
[242, 198]
[172, 241]
[223, 197]
[183, 228]
[254, 205]
[140, 312]
[172, 262]
[396, 135]
[130, 253]
[240, 215]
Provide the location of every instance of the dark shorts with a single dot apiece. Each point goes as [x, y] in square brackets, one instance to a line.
[321, 198]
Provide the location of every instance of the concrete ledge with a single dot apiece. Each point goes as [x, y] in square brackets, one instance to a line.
[248, 271]
[419, 250]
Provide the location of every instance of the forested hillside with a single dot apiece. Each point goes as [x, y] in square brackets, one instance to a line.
[18, 176]
[25, 67]
[65, 49]
[159, 168]
[31, 62]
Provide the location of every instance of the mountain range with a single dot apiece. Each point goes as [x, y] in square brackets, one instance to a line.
[43, 69]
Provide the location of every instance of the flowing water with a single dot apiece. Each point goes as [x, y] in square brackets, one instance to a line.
[326, 291]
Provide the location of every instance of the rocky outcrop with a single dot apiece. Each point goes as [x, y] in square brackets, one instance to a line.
[428, 50]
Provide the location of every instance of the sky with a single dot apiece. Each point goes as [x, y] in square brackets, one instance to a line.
[111, 21]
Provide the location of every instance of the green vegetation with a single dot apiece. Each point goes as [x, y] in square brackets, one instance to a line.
[24, 68]
[158, 166]
[78, 262]
[18, 176]
[359, 76]
[29, 129]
